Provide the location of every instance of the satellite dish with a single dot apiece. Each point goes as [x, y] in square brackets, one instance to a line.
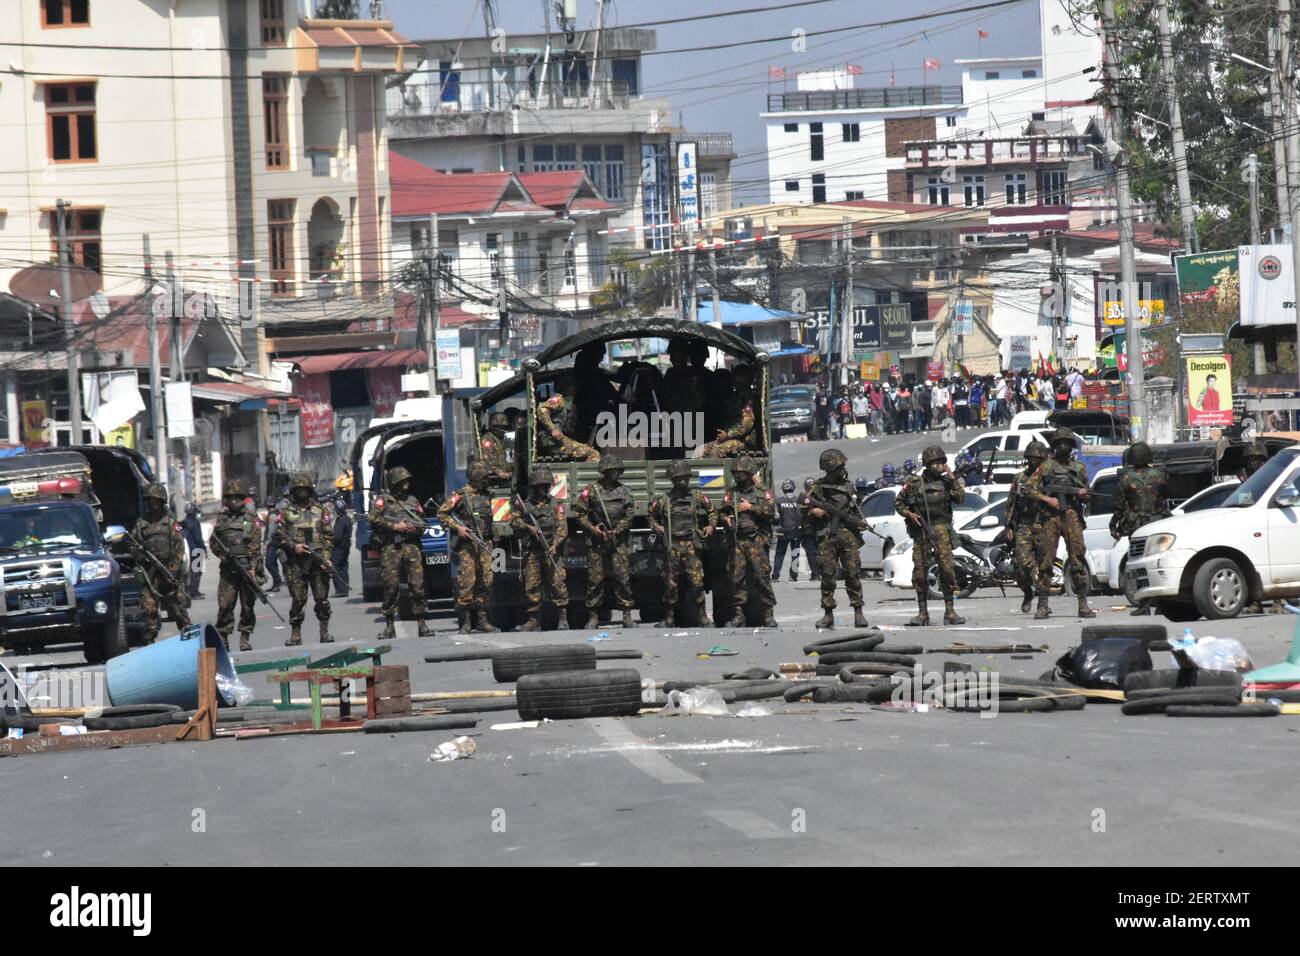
[36, 283]
[99, 305]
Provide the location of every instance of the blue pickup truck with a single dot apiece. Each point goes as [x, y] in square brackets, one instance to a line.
[59, 581]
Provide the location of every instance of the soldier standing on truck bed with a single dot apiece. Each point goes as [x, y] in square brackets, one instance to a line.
[1143, 494]
[838, 540]
[1023, 525]
[305, 537]
[737, 432]
[604, 510]
[158, 534]
[926, 502]
[748, 510]
[557, 422]
[237, 542]
[492, 448]
[543, 527]
[468, 513]
[1060, 487]
[398, 520]
[684, 518]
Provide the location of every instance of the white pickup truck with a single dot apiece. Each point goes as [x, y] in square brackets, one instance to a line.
[1213, 563]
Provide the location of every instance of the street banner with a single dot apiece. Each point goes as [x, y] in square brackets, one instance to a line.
[35, 434]
[1209, 390]
[1151, 313]
[869, 370]
[317, 411]
[866, 329]
[179, 401]
[965, 319]
[121, 437]
[1267, 285]
[895, 326]
[1207, 276]
[447, 347]
[688, 186]
[934, 371]
[1021, 352]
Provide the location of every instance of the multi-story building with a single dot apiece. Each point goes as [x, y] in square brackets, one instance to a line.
[550, 102]
[243, 137]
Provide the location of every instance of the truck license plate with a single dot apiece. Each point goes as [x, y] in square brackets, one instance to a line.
[35, 602]
[437, 558]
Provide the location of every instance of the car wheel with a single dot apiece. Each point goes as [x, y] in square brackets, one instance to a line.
[1178, 611]
[1130, 588]
[1062, 579]
[1221, 589]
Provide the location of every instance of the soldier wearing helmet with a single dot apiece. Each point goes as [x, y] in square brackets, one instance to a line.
[541, 523]
[1023, 525]
[1143, 498]
[926, 502]
[737, 431]
[557, 423]
[492, 448]
[468, 514]
[604, 512]
[305, 536]
[157, 533]
[684, 517]
[398, 520]
[748, 509]
[1060, 488]
[789, 530]
[837, 525]
[236, 540]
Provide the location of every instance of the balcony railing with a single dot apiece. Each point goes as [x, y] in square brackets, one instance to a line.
[321, 159]
[1023, 149]
[438, 93]
[818, 101]
[713, 144]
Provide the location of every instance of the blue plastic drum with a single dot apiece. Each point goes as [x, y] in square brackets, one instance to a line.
[167, 672]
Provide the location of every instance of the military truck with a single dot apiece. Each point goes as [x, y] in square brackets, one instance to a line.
[646, 463]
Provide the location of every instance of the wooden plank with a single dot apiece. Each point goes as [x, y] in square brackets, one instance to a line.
[207, 694]
[391, 672]
[101, 740]
[316, 677]
[392, 688]
[392, 708]
[283, 663]
[463, 695]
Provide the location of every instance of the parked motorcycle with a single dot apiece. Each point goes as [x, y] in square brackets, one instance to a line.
[977, 565]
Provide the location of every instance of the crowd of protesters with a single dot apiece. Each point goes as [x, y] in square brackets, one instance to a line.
[896, 406]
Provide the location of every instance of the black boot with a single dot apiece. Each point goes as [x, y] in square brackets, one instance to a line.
[670, 619]
[245, 642]
[295, 636]
[950, 615]
[325, 633]
[827, 620]
[628, 620]
[738, 620]
[481, 623]
[859, 619]
[422, 628]
[1043, 611]
[593, 620]
[534, 622]
[769, 619]
[465, 620]
[922, 614]
[389, 632]
[1084, 610]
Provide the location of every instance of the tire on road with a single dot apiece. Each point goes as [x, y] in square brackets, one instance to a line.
[874, 692]
[1146, 633]
[871, 657]
[1159, 703]
[138, 717]
[1018, 699]
[512, 663]
[1238, 710]
[30, 723]
[1180, 612]
[565, 695]
[1227, 692]
[860, 641]
[863, 669]
[1220, 589]
[1141, 680]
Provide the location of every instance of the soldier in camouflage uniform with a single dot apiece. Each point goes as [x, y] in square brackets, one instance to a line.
[469, 511]
[158, 533]
[236, 540]
[557, 419]
[305, 537]
[1255, 455]
[683, 518]
[748, 511]
[1061, 518]
[492, 449]
[604, 510]
[838, 540]
[543, 527]
[1022, 526]
[398, 521]
[1143, 493]
[926, 502]
[739, 418]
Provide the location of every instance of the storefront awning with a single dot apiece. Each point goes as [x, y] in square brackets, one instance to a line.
[339, 361]
[247, 397]
[791, 350]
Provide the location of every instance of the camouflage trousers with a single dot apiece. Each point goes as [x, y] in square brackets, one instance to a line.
[924, 551]
[538, 570]
[1070, 527]
[473, 577]
[749, 562]
[395, 562]
[605, 562]
[301, 575]
[570, 449]
[684, 561]
[1024, 556]
[730, 448]
[232, 590]
[837, 554]
[173, 602]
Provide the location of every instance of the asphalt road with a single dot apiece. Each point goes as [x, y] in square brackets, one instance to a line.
[844, 784]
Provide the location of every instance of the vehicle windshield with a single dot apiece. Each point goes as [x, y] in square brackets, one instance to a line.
[1257, 485]
[972, 502]
[784, 396]
[46, 528]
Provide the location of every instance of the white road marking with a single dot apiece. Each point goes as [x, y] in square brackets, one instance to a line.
[633, 748]
[749, 824]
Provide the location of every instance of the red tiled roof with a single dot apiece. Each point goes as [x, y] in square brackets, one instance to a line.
[418, 190]
[354, 33]
[1144, 235]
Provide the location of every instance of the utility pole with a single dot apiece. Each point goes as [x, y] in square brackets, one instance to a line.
[692, 287]
[1278, 146]
[1124, 213]
[717, 294]
[1185, 211]
[847, 330]
[1287, 82]
[178, 368]
[1250, 176]
[155, 381]
[433, 306]
[69, 326]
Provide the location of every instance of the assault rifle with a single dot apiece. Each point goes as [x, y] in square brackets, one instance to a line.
[153, 559]
[229, 561]
[854, 518]
[1067, 496]
[537, 529]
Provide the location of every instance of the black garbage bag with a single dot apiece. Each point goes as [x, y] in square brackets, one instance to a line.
[1105, 663]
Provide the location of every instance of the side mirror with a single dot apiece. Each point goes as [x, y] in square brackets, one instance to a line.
[114, 533]
[1288, 497]
[989, 521]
